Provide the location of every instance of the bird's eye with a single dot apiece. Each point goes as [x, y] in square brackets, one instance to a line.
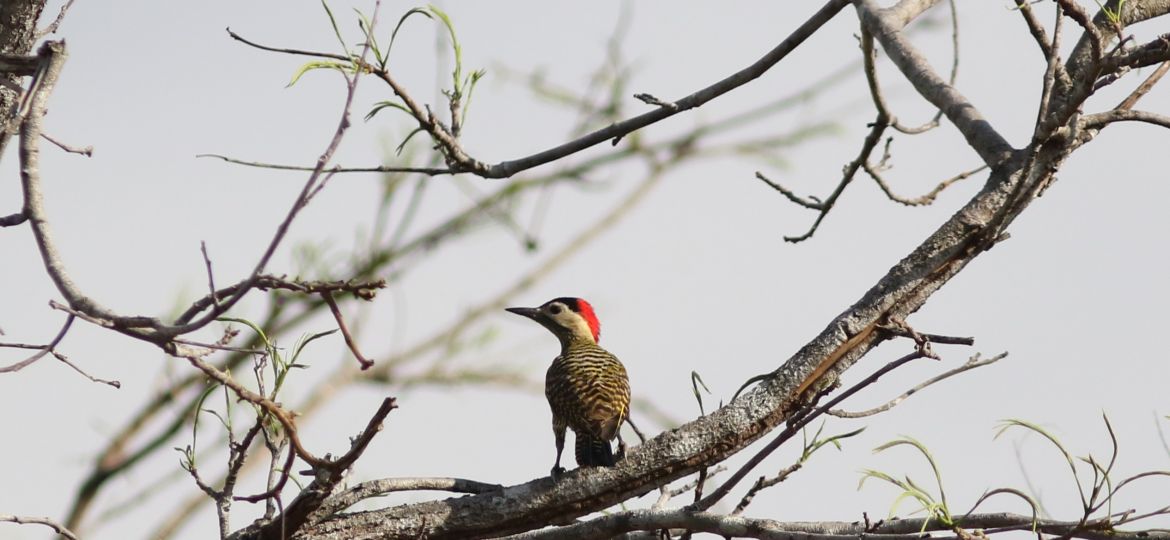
[555, 309]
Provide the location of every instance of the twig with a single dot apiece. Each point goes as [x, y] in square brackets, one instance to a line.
[28, 520]
[315, 494]
[809, 203]
[1100, 120]
[794, 425]
[651, 100]
[1144, 87]
[926, 198]
[277, 412]
[980, 135]
[349, 339]
[1035, 28]
[364, 289]
[871, 141]
[52, 56]
[44, 349]
[374, 488]
[65, 359]
[86, 151]
[763, 483]
[53, 26]
[13, 219]
[903, 331]
[1077, 13]
[972, 363]
[1044, 124]
[210, 274]
[431, 171]
[283, 474]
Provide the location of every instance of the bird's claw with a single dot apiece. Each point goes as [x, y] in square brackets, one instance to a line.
[556, 473]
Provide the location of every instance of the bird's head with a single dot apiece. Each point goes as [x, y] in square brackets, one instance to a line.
[568, 318]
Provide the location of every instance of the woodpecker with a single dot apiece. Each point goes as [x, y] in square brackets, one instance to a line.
[586, 386]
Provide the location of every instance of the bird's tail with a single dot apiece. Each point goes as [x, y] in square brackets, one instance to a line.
[593, 452]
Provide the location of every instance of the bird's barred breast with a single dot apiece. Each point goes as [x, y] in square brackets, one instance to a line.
[586, 387]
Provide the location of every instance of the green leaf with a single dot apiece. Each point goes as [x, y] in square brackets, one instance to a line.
[301, 346]
[696, 382]
[398, 151]
[457, 74]
[387, 104]
[336, 30]
[909, 441]
[319, 64]
[472, 80]
[414, 11]
[367, 29]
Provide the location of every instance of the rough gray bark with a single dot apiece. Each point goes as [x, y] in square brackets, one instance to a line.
[18, 28]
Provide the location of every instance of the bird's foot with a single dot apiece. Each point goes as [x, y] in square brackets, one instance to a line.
[556, 473]
[621, 451]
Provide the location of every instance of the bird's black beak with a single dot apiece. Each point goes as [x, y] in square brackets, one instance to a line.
[530, 312]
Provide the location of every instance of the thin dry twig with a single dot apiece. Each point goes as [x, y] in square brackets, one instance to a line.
[349, 339]
[972, 363]
[795, 424]
[86, 151]
[1100, 120]
[30, 520]
[1144, 87]
[13, 219]
[429, 171]
[1039, 34]
[53, 26]
[44, 349]
[64, 359]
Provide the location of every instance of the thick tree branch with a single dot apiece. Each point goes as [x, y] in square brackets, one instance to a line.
[980, 135]
[896, 529]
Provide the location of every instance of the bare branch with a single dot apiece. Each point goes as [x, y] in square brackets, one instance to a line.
[349, 339]
[741, 527]
[364, 289]
[1144, 87]
[375, 488]
[27, 520]
[64, 359]
[13, 219]
[871, 141]
[926, 198]
[1100, 120]
[53, 26]
[85, 151]
[1034, 26]
[430, 171]
[792, 196]
[44, 349]
[52, 57]
[326, 480]
[972, 363]
[984, 139]
[794, 426]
